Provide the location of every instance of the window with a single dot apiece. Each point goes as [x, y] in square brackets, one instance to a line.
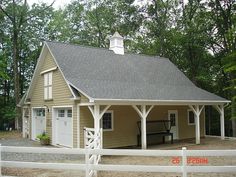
[40, 112]
[69, 113]
[61, 113]
[48, 86]
[191, 117]
[107, 121]
[172, 119]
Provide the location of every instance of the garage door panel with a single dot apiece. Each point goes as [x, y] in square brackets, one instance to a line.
[64, 127]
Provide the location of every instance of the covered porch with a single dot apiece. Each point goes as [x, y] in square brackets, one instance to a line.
[143, 110]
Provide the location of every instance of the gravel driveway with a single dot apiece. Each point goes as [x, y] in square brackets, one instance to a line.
[15, 139]
[18, 141]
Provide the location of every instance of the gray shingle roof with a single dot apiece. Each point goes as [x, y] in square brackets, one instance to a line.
[101, 74]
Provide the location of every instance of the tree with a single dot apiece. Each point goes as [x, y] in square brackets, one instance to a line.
[16, 14]
[224, 47]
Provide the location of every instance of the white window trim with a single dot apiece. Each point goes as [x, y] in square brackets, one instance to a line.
[48, 86]
[112, 121]
[189, 110]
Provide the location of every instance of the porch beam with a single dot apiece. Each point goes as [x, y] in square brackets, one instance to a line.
[220, 109]
[197, 111]
[143, 112]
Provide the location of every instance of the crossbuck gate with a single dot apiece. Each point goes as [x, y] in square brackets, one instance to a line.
[92, 140]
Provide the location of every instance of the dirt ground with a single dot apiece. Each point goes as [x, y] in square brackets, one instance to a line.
[206, 143]
[10, 135]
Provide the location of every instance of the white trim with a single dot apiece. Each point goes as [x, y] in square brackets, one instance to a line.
[204, 117]
[112, 121]
[82, 92]
[54, 125]
[156, 102]
[86, 104]
[72, 124]
[176, 121]
[63, 106]
[188, 110]
[48, 70]
[74, 97]
[78, 126]
[33, 136]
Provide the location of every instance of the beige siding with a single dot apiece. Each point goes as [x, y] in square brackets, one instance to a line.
[125, 124]
[83, 99]
[185, 130]
[60, 93]
[86, 120]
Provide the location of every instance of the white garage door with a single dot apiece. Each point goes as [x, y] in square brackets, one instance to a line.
[39, 122]
[64, 127]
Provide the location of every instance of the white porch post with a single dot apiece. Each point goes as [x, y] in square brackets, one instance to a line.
[220, 109]
[143, 113]
[96, 118]
[197, 111]
[144, 128]
[97, 115]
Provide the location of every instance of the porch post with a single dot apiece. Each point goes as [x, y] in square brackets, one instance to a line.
[197, 127]
[143, 113]
[220, 109]
[97, 114]
[144, 128]
[222, 123]
[96, 118]
[197, 111]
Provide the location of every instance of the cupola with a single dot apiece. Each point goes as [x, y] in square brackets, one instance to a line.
[117, 44]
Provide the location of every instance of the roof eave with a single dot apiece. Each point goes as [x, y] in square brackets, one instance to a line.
[159, 102]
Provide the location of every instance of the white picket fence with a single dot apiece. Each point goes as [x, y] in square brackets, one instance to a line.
[89, 164]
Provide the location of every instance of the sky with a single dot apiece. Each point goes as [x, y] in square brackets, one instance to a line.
[57, 4]
[61, 3]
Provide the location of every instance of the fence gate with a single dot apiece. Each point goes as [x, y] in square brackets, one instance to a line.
[92, 140]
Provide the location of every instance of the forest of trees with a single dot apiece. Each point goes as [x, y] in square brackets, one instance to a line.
[198, 36]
